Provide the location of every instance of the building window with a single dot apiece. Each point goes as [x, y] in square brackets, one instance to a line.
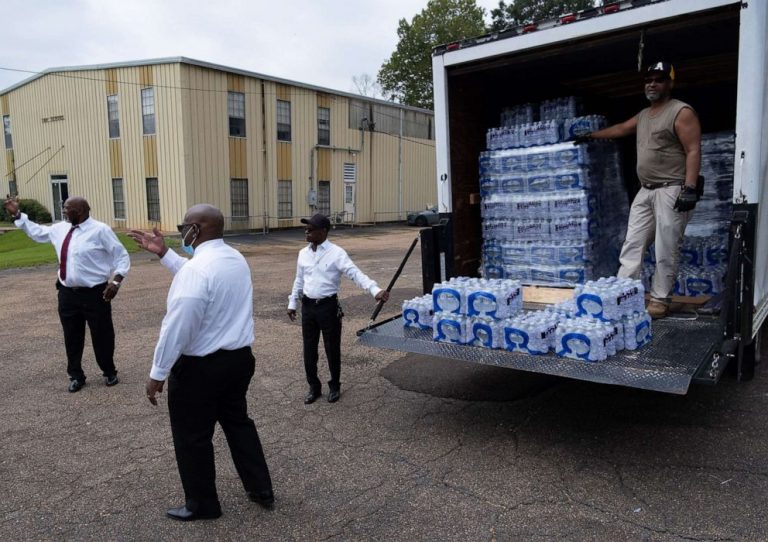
[324, 197]
[349, 194]
[118, 199]
[13, 188]
[283, 120]
[7, 131]
[323, 126]
[113, 115]
[238, 189]
[148, 110]
[236, 111]
[284, 199]
[153, 200]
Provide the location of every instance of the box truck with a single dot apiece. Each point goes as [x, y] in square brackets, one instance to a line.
[718, 48]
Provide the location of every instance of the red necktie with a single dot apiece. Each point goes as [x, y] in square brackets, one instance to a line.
[64, 249]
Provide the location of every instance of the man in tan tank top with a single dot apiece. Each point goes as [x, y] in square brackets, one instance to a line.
[668, 163]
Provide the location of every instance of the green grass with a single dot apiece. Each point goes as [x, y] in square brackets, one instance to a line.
[18, 250]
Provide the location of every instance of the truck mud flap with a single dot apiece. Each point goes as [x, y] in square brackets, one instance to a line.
[680, 350]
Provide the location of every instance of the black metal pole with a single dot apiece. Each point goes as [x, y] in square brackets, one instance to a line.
[380, 304]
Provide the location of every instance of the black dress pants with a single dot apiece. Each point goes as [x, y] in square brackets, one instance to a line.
[201, 392]
[78, 306]
[321, 317]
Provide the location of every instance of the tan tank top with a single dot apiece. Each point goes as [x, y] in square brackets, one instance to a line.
[660, 155]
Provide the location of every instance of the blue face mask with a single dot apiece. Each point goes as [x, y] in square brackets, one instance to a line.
[188, 248]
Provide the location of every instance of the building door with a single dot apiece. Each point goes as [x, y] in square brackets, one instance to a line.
[350, 177]
[60, 194]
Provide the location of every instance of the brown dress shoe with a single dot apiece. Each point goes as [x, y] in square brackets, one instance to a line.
[657, 310]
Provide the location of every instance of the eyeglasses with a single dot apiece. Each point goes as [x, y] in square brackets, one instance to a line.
[657, 79]
[181, 227]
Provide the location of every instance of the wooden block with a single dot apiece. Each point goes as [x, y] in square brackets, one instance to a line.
[546, 294]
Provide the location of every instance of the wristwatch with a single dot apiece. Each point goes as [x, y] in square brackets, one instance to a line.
[116, 283]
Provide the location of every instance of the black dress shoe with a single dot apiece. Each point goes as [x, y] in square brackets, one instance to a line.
[265, 499]
[311, 396]
[333, 396]
[111, 380]
[182, 513]
[76, 385]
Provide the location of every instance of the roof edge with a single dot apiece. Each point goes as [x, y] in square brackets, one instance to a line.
[209, 65]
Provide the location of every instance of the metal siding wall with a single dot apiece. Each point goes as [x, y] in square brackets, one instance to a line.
[324, 164]
[81, 100]
[209, 173]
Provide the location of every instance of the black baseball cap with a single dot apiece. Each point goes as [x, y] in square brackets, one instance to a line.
[319, 221]
[663, 67]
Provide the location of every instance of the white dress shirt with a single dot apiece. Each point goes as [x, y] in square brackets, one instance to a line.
[94, 254]
[210, 305]
[318, 273]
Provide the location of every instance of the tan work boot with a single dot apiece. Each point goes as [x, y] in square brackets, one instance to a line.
[657, 310]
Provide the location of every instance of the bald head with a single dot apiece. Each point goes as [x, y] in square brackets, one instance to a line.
[76, 210]
[210, 220]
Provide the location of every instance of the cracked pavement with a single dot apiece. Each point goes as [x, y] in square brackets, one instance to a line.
[417, 448]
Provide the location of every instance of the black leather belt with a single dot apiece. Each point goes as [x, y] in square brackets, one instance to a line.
[654, 186]
[81, 288]
[311, 301]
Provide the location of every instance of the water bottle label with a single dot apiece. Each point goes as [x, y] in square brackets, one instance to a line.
[575, 345]
[481, 304]
[448, 331]
[446, 300]
[515, 340]
[590, 305]
[482, 335]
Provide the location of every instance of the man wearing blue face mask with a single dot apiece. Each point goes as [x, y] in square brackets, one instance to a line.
[204, 351]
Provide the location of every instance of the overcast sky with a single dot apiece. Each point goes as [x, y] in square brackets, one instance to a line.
[318, 42]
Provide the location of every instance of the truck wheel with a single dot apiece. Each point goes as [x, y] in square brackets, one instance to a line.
[421, 221]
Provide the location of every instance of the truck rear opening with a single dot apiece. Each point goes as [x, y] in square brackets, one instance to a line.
[603, 71]
[718, 50]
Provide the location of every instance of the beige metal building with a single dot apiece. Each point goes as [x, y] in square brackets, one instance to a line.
[145, 140]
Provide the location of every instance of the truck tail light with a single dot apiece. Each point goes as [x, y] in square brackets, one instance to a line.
[453, 46]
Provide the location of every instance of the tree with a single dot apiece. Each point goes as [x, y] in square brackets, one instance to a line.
[407, 75]
[525, 11]
[365, 85]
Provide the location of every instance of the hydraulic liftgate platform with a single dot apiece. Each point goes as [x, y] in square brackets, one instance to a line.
[679, 351]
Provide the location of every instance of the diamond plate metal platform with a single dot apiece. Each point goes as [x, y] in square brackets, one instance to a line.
[667, 364]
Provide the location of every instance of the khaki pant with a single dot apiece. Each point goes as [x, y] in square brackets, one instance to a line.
[653, 218]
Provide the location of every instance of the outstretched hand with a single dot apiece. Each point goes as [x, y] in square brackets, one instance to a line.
[153, 242]
[11, 206]
[382, 296]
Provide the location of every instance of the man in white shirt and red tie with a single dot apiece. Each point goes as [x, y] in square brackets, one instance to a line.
[318, 276]
[204, 351]
[92, 265]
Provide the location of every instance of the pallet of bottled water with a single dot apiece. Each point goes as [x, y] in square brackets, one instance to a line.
[602, 318]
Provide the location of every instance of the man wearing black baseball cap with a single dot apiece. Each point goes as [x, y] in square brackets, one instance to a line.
[668, 164]
[318, 276]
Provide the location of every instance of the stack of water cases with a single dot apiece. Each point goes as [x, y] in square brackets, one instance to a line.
[552, 212]
[704, 254]
[602, 318]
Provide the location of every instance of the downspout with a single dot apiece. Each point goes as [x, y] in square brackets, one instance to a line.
[265, 223]
[400, 169]
[333, 149]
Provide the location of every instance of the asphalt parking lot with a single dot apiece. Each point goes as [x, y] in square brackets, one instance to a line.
[416, 449]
